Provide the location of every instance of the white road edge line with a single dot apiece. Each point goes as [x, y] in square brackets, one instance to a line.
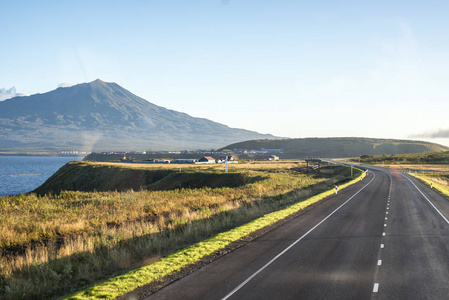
[291, 245]
[376, 288]
[428, 200]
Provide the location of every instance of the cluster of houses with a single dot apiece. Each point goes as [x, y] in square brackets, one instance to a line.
[189, 152]
[207, 157]
[209, 152]
[202, 160]
[74, 152]
[254, 151]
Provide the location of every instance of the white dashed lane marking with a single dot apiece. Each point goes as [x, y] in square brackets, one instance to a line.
[382, 246]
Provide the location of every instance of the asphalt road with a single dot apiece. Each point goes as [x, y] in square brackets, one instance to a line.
[383, 238]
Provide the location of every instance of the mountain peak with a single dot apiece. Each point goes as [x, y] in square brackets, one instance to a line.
[98, 81]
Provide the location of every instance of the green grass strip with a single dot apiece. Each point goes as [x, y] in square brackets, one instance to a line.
[125, 283]
[439, 187]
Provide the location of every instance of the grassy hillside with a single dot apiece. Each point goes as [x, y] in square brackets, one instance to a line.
[88, 177]
[339, 147]
[66, 240]
[413, 158]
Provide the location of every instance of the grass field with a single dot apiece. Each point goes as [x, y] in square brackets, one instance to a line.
[435, 167]
[436, 161]
[438, 182]
[441, 157]
[57, 243]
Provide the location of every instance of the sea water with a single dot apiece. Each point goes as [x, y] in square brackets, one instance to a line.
[23, 174]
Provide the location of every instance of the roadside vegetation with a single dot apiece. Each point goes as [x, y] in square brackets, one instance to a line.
[57, 242]
[441, 157]
[438, 182]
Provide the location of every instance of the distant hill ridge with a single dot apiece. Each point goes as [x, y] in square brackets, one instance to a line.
[105, 116]
[339, 147]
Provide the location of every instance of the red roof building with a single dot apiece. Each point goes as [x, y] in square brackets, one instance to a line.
[207, 159]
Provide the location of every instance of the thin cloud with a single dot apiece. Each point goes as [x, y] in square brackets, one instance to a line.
[63, 85]
[90, 139]
[10, 93]
[440, 133]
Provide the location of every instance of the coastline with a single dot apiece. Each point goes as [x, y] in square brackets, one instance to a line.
[22, 174]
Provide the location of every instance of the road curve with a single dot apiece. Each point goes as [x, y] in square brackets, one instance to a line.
[383, 238]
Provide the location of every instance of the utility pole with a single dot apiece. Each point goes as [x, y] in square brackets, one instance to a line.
[226, 164]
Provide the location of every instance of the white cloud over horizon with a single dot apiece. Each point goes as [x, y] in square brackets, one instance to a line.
[439, 133]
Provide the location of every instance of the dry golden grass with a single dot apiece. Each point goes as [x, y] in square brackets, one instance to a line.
[439, 182]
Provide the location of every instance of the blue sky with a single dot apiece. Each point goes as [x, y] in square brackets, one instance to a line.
[289, 68]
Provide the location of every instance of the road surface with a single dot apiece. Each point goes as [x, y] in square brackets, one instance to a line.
[384, 238]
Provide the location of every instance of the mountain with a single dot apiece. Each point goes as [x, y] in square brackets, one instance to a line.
[338, 147]
[102, 116]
